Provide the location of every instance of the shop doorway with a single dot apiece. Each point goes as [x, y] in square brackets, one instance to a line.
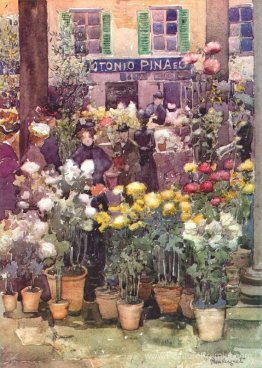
[117, 92]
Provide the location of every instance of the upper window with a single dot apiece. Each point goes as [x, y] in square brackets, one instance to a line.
[163, 30]
[86, 31]
[241, 30]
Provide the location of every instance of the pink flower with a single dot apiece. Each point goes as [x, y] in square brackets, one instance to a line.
[205, 168]
[212, 48]
[211, 66]
[215, 201]
[190, 58]
[105, 122]
[235, 76]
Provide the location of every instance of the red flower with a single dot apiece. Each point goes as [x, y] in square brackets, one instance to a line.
[224, 175]
[211, 66]
[190, 58]
[205, 168]
[107, 121]
[212, 48]
[215, 201]
[229, 164]
[206, 186]
[191, 188]
[214, 176]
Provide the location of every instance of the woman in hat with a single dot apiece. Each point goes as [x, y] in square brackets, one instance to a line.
[85, 132]
[8, 167]
[146, 142]
[128, 150]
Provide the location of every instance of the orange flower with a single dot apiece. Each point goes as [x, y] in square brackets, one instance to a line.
[98, 189]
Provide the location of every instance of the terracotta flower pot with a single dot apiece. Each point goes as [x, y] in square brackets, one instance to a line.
[162, 147]
[72, 289]
[232, 275]
[185, 302]
[9, 301]
[168, 298]
[145, 289]
[106, 300]
[210, 322]
[59, 309]
[31, 299]
[129, 315]
[241, 259]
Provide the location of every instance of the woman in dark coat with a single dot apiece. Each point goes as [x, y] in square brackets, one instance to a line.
[89, 151]
[8, 167]
[146, 143]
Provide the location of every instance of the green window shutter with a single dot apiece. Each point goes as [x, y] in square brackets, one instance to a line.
[106, 33]
[143, 21]
[184, 44]
[66, 31]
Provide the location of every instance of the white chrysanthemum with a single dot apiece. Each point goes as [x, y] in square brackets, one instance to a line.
[214, 228]
[90, 211]
[5, 243]
[215, 241]
[39, 129]
[25, 195]
[45, 204]
[71, 171]
[190, 228]
[85, 198]
[30, 167]
[23, 205]
[162, 134]
[132, 109]
[52, 180]
[118, 190]
[226, 219]
[46, 250]
[88, 168]
[87, 225]
[40, 228]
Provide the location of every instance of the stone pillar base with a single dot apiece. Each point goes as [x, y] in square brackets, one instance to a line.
[251, 287]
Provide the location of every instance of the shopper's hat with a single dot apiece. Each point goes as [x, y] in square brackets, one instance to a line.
[84, 124]
[158, 94]
[143, 116]
[9, 128]
[123, 128]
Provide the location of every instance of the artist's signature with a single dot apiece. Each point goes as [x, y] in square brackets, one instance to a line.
[231, 360]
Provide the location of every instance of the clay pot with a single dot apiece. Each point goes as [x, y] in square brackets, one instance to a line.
[72, 289]
[59, 309]
[162, 147]
[232, 275]
[129, 314]
[106, 300]
[185, 302]
[210, 322]
[241, 258]
[145, 289]
[232, 295]
[168, 298]
[9, 301]
[31, 298]
[111, 179]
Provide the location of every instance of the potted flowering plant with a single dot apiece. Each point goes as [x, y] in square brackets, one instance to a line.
[9, 296]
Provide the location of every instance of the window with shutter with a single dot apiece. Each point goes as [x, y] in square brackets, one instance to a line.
[66, 32]
[143, 21]
[184, 44]
[106, 33]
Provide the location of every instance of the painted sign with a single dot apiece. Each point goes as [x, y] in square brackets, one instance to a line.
[138, 65]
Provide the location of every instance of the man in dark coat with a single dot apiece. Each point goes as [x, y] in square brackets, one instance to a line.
[50, 148]
[146, 142]
[157, 108]
[128, 150]
[85, 131]
[8, 166]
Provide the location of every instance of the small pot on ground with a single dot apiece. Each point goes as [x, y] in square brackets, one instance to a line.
[9, 301]
[210, 320]
[59, 309]
[187, 297]
[145, 288]
[167, 297]
[129, 314]
[162, 147]
[232, 275]
[31, 298]
[232, 294]
[107, 302]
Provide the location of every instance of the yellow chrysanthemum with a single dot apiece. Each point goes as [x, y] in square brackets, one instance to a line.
[248, 188]
[190, 167]
[247, 165]
[137, 208]
[114, 208]
[19, 180]
[179, 197]
[136, 225]
[169, 209]
[167, 194]
[102, 217]
[152, 200]
[124, 207]
[132, 215]
[120, 222]
[185, 216]
[228, 196]
[185, 206]
[135, 189]
[103, 227]
[198, 218]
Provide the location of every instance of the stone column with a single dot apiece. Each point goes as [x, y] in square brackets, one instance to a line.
[251, 285]
[33, 40]
[217, 29]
